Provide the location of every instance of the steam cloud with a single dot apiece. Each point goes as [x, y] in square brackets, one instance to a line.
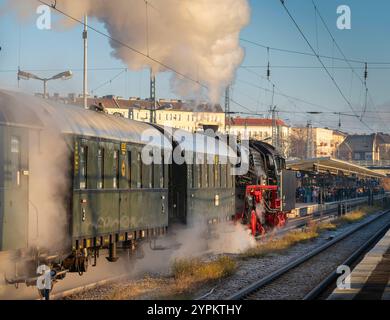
[198, 38]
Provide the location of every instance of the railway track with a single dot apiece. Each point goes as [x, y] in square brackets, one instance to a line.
[328, 283]
[297, 224]
[299, 279]
[302, 222]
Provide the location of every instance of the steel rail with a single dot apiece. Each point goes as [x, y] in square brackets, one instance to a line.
[245, 292]
[328, 281]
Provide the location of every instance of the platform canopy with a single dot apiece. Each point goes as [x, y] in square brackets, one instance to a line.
[334, 166]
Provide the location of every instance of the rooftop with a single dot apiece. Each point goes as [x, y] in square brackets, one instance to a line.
[255, 122]
[112, 102]
[334, 166]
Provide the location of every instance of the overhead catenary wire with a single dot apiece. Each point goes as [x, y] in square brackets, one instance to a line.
[126, 45]
[108, 81]
[297, 52]
[362, 80]
[185, 76]
[322, 63]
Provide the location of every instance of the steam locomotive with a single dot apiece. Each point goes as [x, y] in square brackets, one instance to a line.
[73, 182]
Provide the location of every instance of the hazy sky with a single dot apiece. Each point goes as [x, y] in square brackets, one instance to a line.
[48, 52]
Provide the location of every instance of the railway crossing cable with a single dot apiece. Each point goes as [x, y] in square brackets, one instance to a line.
[322, 63]
[245, 292]
[328, 281]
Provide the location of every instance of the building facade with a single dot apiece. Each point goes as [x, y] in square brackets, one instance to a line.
[261, 129]
[309, 142]
[186, 115]
[366, 148]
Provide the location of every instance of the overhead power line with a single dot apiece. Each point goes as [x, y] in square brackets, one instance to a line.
[322, 63]
[108, 81]
[258, 44]
[125, 45]
[362, 80]
[135, 51]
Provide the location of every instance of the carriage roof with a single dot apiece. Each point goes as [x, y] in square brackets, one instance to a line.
[22, 110]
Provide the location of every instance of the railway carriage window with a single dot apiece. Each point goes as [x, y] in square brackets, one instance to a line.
[129, 168]
[100, 169]
[216, 172]
[162, 175]
[194, 184]
[15, 160]
[228, 176]
[146, 170]
[206, 175]
[115, 180]
[199, 175]
[83, 167]
[223, 175]
[139, 171]
[200, 172]
[211, 175]
[153, 174]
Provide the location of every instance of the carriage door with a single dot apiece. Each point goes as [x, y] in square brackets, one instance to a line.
[15, 198]
[177, 193]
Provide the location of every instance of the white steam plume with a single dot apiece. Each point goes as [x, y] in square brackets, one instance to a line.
[198, 38]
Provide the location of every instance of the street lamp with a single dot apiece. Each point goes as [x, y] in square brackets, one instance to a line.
[27, 76]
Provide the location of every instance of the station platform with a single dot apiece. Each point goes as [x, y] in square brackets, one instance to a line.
[305, 209]
[370, 279]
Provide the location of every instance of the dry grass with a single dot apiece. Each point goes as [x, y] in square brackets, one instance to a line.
[188, 275]
[326, 226]
[357, 215]
[197, 270]
[283, 243]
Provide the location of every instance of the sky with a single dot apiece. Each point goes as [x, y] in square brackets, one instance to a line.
[301, 84]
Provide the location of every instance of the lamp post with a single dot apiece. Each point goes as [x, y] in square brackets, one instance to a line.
[27, 76]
